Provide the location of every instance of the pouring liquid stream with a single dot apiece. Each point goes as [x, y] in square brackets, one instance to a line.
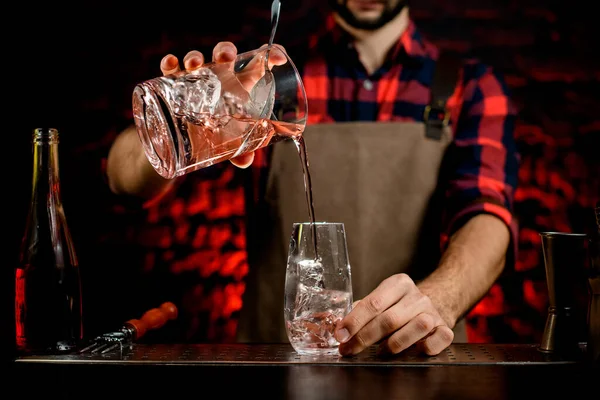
[301, 146]
[299, 141]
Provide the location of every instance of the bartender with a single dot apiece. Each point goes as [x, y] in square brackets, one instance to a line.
[429, 142]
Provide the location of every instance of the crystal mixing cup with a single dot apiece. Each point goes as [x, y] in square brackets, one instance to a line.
[191, 120]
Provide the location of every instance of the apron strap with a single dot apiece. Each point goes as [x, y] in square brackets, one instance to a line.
[445, 79]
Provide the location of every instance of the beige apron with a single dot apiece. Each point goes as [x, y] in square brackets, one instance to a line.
[379, 179]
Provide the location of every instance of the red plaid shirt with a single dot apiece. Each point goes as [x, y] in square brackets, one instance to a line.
[482, 115]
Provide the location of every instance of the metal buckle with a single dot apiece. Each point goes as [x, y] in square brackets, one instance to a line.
[427, 113]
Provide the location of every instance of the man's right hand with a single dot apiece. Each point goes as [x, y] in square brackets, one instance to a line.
[223, 52]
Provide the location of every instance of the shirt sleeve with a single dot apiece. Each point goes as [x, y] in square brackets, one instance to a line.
[483, 155]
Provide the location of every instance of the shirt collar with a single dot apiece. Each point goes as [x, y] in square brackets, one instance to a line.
[411, 43]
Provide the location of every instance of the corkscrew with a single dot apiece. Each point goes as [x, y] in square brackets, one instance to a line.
[132, 330]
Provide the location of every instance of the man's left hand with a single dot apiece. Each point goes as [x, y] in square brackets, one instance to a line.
[396, 315]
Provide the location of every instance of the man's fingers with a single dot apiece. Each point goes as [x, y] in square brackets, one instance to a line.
[224, 52]
[193, 60]
[389, 292]
[277, 56]
[243, 161]
[432, 344]
[414, 307]
[439, 339]
[416, 329]
[169, 64]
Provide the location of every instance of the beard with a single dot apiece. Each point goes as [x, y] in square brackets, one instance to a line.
[390, 11]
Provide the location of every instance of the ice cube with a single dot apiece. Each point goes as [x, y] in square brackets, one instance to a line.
[234, 98]
[311, 273]
[230, 104]
[196, 93]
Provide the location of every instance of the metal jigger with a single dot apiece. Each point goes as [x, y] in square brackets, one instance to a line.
[565, 261]
[593, 344]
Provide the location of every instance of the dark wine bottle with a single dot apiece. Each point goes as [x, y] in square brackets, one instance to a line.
[593, 342]
[48, 304]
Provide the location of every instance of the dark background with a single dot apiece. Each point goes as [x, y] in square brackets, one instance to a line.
[74, 68]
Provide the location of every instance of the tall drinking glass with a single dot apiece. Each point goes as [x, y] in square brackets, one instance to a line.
[191, 120]
[318, 287]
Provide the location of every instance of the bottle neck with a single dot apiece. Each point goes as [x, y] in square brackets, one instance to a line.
[46, 178]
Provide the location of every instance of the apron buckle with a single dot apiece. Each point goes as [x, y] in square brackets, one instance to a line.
[435, 126]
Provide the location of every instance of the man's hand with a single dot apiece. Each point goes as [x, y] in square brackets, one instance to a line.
[226, 52]
[396, 315]
[399, 314]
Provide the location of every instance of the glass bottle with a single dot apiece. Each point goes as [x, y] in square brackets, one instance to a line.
[48, 305]
[593, 344]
